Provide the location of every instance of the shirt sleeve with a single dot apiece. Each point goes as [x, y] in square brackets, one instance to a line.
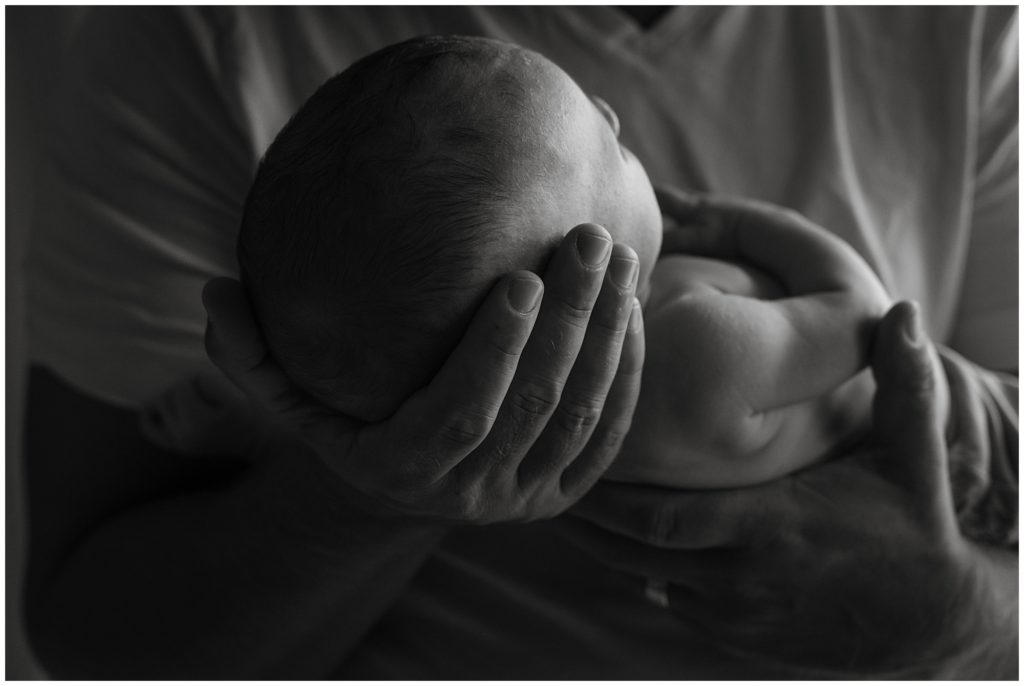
[987, 319]
[147, 164]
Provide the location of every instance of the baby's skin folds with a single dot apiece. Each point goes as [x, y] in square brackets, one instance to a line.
[706, 418]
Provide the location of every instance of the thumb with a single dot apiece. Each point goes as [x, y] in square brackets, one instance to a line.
[233, 339]
[235, 344]
[907, 421]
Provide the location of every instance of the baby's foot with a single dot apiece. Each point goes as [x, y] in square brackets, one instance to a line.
[205, 414]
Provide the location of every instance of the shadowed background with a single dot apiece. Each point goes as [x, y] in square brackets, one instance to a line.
[35, 39]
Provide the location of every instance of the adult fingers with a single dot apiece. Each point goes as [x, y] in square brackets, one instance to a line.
[447, 420]
[616, 418]
[584, 396]
[908, 427]
[217, 391]
[572, 284]
[683, 519]
[235, 344]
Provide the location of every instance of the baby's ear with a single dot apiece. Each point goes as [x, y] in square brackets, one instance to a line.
[607, 112]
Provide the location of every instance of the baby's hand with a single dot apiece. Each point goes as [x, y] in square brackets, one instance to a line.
[203, 415]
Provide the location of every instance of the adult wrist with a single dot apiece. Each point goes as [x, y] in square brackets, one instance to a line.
[315, 504]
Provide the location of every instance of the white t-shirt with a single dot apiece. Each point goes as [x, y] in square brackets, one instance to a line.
[895, 128]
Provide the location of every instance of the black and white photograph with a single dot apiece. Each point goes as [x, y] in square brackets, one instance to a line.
[512, 342]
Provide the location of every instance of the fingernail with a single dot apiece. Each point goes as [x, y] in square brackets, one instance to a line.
[524, 294]
[623, 271]
[635, 317]
[593, 248]
[913, 331]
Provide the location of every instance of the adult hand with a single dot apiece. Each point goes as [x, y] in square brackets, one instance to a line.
[203, 414]
[851, 568]
[526, 414]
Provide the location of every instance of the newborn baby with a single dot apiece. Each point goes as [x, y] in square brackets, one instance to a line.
[409, 183]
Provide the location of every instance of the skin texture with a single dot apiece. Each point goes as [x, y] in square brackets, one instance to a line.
[759, 328]
[587, 173]
[566, 144]
[511, 428]
[853, 568]
[276, 567]
[556, 155]
[561, 148]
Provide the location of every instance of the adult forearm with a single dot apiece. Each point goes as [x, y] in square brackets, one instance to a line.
[274, 575]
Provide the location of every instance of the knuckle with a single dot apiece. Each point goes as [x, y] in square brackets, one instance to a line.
[578, 418]
[465, 428]
[536, 398]
[573, 313]
[505, 346]
[612, 326]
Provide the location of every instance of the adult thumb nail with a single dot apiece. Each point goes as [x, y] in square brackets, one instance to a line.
[912, 328]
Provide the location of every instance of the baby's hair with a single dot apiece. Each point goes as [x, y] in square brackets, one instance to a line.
[363, 227]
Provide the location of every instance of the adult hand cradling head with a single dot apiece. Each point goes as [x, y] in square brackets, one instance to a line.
[510, 428]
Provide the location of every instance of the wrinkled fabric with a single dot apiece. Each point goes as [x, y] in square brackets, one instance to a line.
[984, 451]
[895, 128]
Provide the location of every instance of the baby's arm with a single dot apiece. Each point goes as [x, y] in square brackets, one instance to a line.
[737, 367]
[816, 334]
[734, 377]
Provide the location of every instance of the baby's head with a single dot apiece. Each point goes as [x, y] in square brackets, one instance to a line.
[404, 188]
